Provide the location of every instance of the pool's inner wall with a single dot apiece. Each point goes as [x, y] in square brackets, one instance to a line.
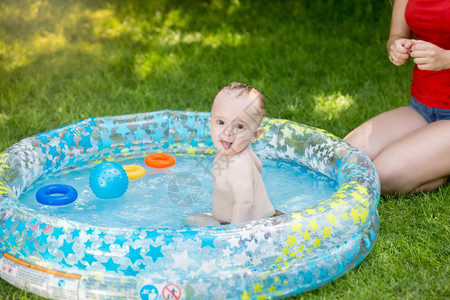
[273, 257]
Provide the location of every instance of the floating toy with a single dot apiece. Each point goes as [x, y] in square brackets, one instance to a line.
[56, 194]
[108, 180]
[269, 258]
[160, 160]
[134, 171]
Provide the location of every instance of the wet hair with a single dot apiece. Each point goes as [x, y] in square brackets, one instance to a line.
[244, 90]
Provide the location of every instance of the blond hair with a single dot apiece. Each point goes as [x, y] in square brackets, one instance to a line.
[244, 90]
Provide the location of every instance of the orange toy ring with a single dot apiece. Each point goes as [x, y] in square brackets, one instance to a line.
[160, 160]
[134, 171]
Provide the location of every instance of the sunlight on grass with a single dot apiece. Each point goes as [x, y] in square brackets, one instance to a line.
[213, 40]
[49, 35]
[174, 29]
[13, 55]
[49, 42]
[331, 106]
[157, 59]
[176, 18]
[52, 31]
[224, 38]
[107, 25]
[4, 119]
[26, 13]
[146, 63]
[20, 53]
[230, 7]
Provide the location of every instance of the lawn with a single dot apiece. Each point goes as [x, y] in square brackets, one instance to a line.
[320, 63]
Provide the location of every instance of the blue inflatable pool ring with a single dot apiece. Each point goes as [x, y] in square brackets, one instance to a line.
[108, 180]
[277, 257]
[56, 194]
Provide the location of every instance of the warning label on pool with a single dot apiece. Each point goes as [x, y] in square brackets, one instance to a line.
[38, 280]
[171, 292]
[151, 291]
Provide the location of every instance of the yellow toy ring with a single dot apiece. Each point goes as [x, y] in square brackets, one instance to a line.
[134, 171]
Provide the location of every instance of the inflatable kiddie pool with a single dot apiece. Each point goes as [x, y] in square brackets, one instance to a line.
[60, 257]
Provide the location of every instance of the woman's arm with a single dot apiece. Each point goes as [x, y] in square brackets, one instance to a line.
[399, 43]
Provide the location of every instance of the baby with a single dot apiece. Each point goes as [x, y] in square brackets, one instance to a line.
[239, 194]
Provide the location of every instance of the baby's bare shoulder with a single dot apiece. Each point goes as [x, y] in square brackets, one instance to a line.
[241, 164]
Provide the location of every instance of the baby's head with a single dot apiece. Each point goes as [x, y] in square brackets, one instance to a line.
[236, 114]
[242, 91]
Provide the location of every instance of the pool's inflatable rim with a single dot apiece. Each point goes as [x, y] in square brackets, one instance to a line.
[181, 134]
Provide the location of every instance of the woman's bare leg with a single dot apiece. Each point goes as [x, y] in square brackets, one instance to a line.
[409, 154]
[377, 133]
[418, 161]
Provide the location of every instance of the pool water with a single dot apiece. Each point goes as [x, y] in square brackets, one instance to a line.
[163, 197]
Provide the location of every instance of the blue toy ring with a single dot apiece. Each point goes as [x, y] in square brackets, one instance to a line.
[56, 194]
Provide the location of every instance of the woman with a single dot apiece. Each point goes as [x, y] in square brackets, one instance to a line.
[410, 146]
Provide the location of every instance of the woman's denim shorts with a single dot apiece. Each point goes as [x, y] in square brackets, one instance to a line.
[430, 114]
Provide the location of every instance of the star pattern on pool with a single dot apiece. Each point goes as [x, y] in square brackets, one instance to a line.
[305, 241]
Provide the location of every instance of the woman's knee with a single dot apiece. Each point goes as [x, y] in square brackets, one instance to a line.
[359, 138]
[394, 180]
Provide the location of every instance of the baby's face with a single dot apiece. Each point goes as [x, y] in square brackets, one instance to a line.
[234, 122]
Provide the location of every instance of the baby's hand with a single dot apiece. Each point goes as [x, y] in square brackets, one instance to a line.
[428, 56]
[399, 52]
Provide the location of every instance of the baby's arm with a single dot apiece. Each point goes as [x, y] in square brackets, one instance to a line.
[241, 183]
[204, 219]
[257, 161]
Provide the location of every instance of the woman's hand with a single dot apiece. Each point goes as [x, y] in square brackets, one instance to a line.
[399, 51]
[428, 56]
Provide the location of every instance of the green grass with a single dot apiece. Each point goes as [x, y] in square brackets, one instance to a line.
[321, 63]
